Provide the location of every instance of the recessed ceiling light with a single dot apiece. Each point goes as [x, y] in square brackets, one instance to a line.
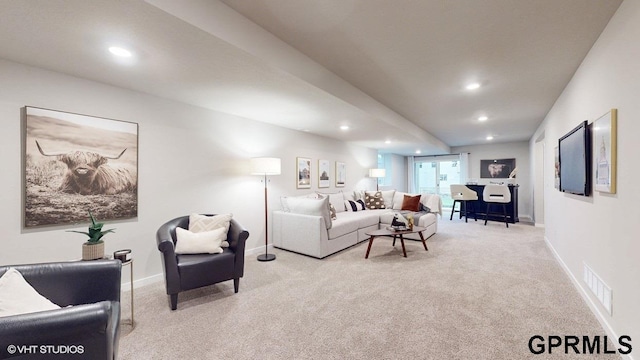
[418, 152]
[344, 127]
[483, 118]
[387, 141]
[489, 137]
[473, 86]
[118, 51]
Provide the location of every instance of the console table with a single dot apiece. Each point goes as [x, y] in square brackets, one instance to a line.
[481, 207]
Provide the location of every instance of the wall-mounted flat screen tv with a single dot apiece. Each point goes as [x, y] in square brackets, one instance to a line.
[575, 160]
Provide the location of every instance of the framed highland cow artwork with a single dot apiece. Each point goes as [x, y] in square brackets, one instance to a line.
[76, 163]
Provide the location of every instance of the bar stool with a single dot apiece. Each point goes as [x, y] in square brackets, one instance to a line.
[461, 194]
[496, 194]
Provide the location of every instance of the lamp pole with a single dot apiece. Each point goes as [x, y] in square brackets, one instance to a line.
[265, 166]
[266, 256]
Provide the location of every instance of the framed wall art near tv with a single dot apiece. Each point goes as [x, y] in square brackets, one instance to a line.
[324, 180]
[303, 171]
[605, 140]
[497, 168]
[341, 174]
[78, 163]
[556, 178]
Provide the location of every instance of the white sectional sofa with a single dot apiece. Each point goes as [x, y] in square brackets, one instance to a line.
[304, 225]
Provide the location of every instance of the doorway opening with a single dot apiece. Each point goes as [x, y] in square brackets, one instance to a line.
[434, 175]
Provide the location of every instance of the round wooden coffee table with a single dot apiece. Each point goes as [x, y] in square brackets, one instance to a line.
[395, 234]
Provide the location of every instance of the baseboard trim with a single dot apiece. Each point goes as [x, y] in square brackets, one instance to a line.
[525, 219]
[587, 299]
[142, 282]
[258, 250]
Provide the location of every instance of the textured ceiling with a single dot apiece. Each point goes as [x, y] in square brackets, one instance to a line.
[391, 70]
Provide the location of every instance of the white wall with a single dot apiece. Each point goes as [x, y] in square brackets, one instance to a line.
[190, 160]
[537, 166]
[602, 230]
[517, 150]
[396, 178]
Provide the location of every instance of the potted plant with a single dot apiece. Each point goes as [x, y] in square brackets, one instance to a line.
[94, 247]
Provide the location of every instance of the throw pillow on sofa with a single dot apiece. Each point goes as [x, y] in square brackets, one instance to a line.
[411, 203]
[332, 212]
[387, 196]
[374, 201]
[398, 199]
[357, 205]
[335, 199]
[308, 206]
[332, 209]
[357, 195]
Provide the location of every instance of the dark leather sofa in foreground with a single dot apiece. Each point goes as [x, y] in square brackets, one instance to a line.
[90, 326]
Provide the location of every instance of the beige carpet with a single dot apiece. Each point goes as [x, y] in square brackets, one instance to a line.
[478, 293]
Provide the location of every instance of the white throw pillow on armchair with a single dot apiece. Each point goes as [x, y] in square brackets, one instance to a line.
[206, 242]
[17, 296]
[200, 223]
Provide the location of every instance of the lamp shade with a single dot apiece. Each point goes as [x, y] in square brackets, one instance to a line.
[377, 173]
[265, 166]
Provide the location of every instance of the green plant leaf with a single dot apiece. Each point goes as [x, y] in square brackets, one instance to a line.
[93, 220]
[80, 232]
[95, 232]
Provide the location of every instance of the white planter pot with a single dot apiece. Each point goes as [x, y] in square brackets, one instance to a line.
[92, 251]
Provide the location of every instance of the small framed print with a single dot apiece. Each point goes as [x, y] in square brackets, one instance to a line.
[303, 170]
[323, 174]
[341, 174]
[605, 155]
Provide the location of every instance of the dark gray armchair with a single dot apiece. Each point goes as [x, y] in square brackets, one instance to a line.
[185, 272]
[93, 287]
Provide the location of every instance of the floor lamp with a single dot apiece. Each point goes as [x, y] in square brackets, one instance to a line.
[265, 166]
[377, 173]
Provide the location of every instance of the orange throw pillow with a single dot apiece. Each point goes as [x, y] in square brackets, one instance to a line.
[411, 203]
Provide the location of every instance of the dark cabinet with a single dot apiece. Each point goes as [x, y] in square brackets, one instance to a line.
[481, 206]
